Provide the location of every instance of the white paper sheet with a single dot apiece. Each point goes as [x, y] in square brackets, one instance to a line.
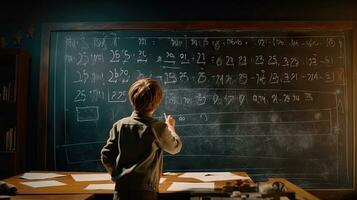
[185, 186]
[213, 176]
[38, 184]
[169, 174]
[109, 186]
[40, 175]
[162, 180]
[91, 177]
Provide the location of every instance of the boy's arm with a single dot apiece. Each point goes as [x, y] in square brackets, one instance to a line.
[167, 137]
[110, 152]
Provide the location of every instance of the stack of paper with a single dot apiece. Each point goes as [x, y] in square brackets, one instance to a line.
[162, 180]
[41, 176]
[184, 186]
[170, 174]
[38, 184]
[213, 176]
[108, 186]
[91, 177]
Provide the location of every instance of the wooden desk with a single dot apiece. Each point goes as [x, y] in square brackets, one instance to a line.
[73, 187]
[218, 185]
[300, 193]
[52, 197]
[75, 190]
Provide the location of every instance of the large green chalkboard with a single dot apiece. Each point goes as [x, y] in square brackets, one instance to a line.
[273, 103]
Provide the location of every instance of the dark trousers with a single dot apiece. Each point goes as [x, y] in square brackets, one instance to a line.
[135, 195]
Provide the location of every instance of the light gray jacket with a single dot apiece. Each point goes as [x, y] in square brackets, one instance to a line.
[133, 154]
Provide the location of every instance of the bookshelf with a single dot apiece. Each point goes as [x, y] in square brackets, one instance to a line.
[14, 76]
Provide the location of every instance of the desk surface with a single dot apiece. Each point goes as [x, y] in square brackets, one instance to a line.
[73, 187]
[52, 197]
[292, 187]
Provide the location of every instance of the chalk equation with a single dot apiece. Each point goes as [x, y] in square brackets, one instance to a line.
[270, 103]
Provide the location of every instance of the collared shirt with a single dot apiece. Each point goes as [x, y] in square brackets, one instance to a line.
[133, 154]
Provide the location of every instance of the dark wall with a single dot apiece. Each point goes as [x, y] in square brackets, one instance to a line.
[24, 22]
[118, 10]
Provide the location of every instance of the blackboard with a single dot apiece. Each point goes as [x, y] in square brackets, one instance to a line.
[273, 103]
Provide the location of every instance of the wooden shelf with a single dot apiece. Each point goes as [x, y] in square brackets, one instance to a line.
[9, 169]
[7, 114]
[7, 152]
[4, 106]
[14, 69]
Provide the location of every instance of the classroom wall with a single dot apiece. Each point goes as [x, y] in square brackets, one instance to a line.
[24, 22]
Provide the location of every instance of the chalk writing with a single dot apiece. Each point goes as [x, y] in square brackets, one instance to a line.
[265, 102]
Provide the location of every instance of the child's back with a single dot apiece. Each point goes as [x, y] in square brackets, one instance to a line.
[133, 154]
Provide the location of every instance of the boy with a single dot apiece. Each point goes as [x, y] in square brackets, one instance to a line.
[133, 154]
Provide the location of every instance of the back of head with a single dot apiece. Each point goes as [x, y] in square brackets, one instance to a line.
[145, 95]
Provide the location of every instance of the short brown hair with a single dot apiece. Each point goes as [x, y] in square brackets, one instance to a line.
[145, 95]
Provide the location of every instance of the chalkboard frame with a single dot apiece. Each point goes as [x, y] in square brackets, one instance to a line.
[42, 129]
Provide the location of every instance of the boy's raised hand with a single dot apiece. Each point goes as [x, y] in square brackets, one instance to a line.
[170, 122]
